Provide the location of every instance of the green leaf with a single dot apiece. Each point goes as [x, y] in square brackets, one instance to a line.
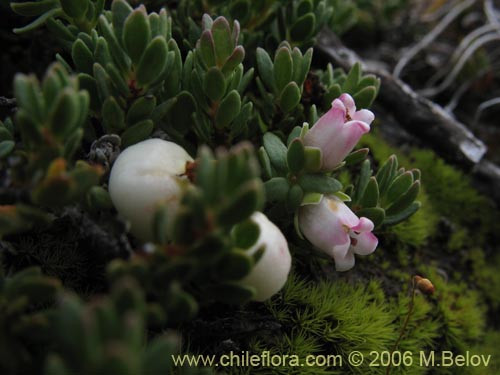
[313, 158]
[283, 68]
[265, 163]
[245, 234]
[180, 116]
[233, 61]
[38, 22]
[319, 183]
[363, 180]
[101, 53]
[99, 198]
[74, 8]
[290, 97]
[207, 48]
[214, 84]
[296, 156]
[303, 28]
[399, 186]
[311, 198]
[386, 173]
[365, 97]
[113, 117]
[136, 34]
[233, 266]
[73, 143]
[276, 151]
[157, 358]
[375, 214]
[103, 82]
[6, 148]
[371, 194]
[276, 189]
[402, 215]
[351, 83]
[62, 118]
[305, 6]
[404, 200]
[265, 67]
[294, 198]
[119, 57]
[153, 62]
[239, 207]
[223, 43]
[228, 109]
[33, 8]
[160, 225]
[141, 109]
[357, 156]
[27, 92]
[120, 10]
[82, 57]
[118, 80]
[137, 133]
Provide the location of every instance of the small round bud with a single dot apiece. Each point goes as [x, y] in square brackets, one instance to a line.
[271, 271]
[424, 285]
[145, 175]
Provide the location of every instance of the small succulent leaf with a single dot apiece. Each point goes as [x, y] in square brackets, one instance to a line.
[233, 266]
[241, 205]
[365, 97]
[137, 133]
[160, 225]
[113, 116]
[351, 83]
[33, 8]
[245, 234]
[371, 194]
[313, 157]
[283, 68]
[399, 186]
[276, 151]
[136, 34]
[73, 143]
[290, 97]
[319, 183]
[6, 147]
[294, 198]
[207, 48]
[221, 32]
[141, 109]
[82, 57]
[153, 62]
[265, 163]
[296, 156]
[228, 109]
[386, 173]
[214, 84]
[375, 214]
[266, 69]
[233, 61]
[303, 28]
[357, 156]
[74, 9]
[405, 200]
[276, 189]
[62, 118]
[312, 198]
[402, 215]
[38, 21]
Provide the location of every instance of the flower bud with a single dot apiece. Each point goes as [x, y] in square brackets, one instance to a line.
[145, 175]
[424, 285]
[271, 271]
[338, 131]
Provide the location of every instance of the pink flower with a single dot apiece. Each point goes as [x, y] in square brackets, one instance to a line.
[333, 228]
[337, 131]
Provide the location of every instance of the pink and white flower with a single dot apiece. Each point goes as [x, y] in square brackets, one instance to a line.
[338, 131]
[333, 228]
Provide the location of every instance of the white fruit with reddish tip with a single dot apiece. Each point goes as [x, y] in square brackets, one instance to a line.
[147, 174]
[270, 273]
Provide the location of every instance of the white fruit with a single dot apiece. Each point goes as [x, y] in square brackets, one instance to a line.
[271, 271]
[145, 175]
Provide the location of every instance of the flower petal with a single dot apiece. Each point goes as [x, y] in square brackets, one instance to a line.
[363, 115]
[344, 263]
[364, 243]
[364, 225]
[349, 103]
